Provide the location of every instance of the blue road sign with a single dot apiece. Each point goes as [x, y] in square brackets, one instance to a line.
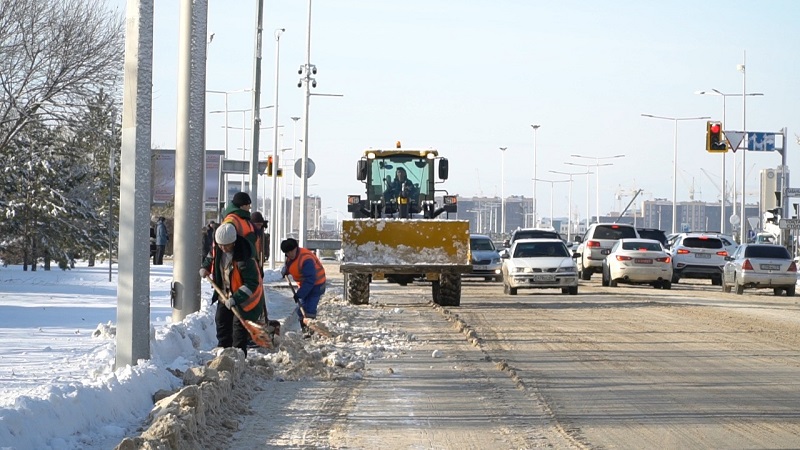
[760, 142]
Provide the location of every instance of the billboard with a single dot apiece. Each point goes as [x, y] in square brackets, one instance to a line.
[163, 176]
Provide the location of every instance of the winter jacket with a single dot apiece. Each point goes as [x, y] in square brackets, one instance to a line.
[246, 283]
[307, 270]
[162, 235]
[241, 221]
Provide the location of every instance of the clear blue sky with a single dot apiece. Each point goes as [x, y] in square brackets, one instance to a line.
[467, 77]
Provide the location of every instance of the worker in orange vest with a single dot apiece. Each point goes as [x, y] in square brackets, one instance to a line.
[306, 269]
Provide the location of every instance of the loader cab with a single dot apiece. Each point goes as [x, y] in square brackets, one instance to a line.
[399, 183]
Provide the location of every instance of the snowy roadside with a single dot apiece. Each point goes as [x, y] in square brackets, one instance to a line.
[59, 389]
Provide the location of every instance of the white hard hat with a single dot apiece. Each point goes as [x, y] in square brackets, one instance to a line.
[225, 234]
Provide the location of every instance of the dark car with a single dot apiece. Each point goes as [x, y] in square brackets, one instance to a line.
[531, 233]
[654, 234]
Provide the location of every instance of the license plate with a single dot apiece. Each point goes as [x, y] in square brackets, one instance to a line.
[605, 251]
[544, 278]
[702, 255]
[479, 267]
[770, 267]
[643, 261]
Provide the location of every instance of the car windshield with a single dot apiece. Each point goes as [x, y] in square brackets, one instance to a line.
[536, 234]
[766, 251]
[702, 242]
[614, 232]
[481, 244]
[641, 246]
[540, 249]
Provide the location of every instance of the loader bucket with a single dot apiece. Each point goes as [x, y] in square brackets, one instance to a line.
[404, 242]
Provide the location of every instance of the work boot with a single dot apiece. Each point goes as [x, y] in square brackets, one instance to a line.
[307, 333]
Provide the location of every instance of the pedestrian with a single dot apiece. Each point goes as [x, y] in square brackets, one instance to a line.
[162, 236]
[208, 237]
[233, 269]
[238, 213]
[306, 269]
[262, 238]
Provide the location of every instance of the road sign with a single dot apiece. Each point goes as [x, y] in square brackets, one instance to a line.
[298, 167]
[760, 142]
[789, 223]
[242, 167]
[734, 139]
[792, 192]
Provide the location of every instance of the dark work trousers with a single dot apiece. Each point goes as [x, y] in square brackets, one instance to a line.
[158, 258]
[230, 331]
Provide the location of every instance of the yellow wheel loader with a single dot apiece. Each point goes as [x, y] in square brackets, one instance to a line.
[398, 232]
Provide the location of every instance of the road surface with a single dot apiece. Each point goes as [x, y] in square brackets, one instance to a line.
[625, 367]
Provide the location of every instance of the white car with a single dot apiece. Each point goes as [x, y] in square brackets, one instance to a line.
[596, 243]
[538, 264]
[638, 261]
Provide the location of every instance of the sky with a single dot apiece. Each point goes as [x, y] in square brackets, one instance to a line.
[58, 388]
[469, 77]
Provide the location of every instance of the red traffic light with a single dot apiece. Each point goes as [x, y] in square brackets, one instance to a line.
[715, 128]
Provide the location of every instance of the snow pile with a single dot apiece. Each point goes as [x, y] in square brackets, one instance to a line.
[405, 242]
[216, 393]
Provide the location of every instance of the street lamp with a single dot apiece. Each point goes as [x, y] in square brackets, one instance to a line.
[294, 148]
[503, 191]
[569, 202]
[535, 129]
[552, 182]
[675, 163]
[273, 210]
[722, 221]
[597, 187]
[597, 177]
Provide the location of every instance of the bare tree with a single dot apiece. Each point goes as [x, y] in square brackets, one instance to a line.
[54, 54]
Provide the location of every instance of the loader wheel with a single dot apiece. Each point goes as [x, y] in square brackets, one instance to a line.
[358, 289]
[450, 289]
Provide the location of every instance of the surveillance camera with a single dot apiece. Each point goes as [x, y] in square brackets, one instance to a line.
[300, 71]
[314, 70]
[299, 84]
[314, 84]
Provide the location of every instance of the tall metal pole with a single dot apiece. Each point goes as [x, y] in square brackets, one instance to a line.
[273, 210]
[189, 158]
[502, 190]
[307, 82]
[257, 105]
[675, 179]
[722, 191]
[294, 147]
[133, 277]
[535, 129]
[743, 219]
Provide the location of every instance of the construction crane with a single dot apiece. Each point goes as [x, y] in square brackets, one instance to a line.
[716, 185]
[692, 189]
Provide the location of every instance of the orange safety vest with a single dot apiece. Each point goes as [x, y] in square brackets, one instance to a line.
[244, 227]
[237, 283]
[295, 266]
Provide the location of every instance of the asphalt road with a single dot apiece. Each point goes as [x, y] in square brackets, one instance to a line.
[625, 367]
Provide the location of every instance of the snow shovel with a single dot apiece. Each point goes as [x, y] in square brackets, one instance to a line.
[257, 332]
[312, 324]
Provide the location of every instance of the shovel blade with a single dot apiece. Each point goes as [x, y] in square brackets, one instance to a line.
[257, 332]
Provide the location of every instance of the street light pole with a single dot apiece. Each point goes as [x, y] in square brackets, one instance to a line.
[722, 221]
[535, 129]
[273, 210]
[294, 147]
[569, 202]
[502, 190]
[675, 163]
[742, 218]
[552, 182]
[597, 177]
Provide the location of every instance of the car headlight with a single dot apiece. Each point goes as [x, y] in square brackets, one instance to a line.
[518, 269]
[496, 261]
[569, 268]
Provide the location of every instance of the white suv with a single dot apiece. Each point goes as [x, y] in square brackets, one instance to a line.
[698, 255]
[596, 244]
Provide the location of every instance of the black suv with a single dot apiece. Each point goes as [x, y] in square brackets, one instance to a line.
[653, 233]
[531, 233]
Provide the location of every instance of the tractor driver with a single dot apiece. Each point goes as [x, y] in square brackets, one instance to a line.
[401, 186]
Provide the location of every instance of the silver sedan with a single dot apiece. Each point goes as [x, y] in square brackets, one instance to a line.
[760, 266]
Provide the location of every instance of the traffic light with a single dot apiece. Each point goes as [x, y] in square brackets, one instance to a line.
[269, 166]
[715, 142]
